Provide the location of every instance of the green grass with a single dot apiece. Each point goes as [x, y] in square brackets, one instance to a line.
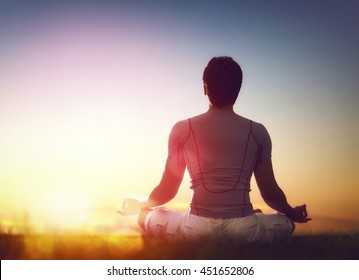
[107, 247]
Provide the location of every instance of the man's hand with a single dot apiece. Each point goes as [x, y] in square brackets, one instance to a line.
[131, 206]
[299, 214]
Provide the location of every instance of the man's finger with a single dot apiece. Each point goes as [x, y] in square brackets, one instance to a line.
[305, 211]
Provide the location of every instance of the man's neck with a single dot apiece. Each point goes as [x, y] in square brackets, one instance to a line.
[225, 108]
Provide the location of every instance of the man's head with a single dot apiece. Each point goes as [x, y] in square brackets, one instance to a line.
[222, 80]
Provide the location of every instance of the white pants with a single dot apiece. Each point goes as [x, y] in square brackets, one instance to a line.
[258, 228]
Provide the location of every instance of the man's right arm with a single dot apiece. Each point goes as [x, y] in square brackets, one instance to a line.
[273, 194]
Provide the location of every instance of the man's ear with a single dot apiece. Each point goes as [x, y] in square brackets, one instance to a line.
[205, 89]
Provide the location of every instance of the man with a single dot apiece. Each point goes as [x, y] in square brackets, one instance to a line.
[221, 150]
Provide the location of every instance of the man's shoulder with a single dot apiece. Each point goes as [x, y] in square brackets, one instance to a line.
[186, 122]
[259, 131]
[254, 124]
[180, 127]
[258, 125]
[257, 128]
[181, 124]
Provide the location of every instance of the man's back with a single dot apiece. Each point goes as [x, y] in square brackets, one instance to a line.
[221, 149]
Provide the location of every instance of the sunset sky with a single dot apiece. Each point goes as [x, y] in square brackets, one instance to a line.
[89, 92]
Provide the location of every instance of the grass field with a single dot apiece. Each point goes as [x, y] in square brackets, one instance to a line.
[106, 247]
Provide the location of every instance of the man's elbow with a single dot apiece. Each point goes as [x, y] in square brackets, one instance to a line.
[268, 197]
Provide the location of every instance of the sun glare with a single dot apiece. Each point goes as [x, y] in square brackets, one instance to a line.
[66, 209]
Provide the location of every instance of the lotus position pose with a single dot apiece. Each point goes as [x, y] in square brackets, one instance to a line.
[221, 150]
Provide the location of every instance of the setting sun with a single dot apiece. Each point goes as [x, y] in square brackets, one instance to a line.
[66, 208]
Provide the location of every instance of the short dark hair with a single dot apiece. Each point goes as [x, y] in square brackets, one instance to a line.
[223, 77]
